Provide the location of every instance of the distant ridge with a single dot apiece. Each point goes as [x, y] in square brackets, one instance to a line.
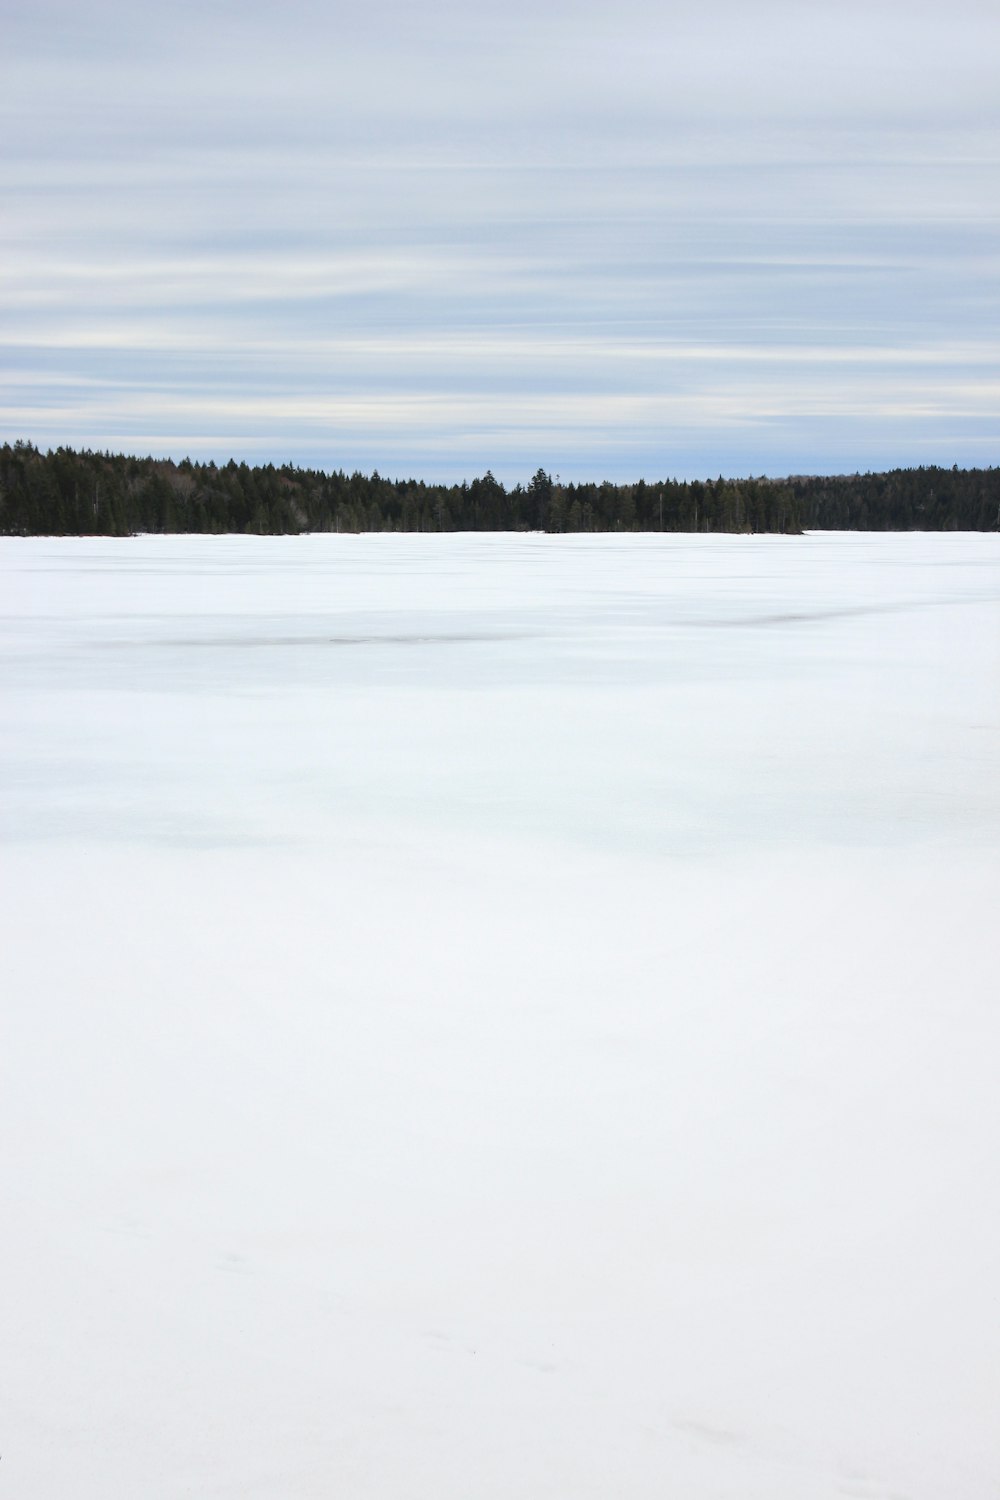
[69, 493]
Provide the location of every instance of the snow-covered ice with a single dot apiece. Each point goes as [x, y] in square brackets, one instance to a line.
[500, 1016]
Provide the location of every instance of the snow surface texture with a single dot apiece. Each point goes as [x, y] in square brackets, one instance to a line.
[500, 1016]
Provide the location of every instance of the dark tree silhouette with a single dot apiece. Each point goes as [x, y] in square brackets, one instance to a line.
[87, 493]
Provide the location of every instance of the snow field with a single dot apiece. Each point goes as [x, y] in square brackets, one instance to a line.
[493, 1016]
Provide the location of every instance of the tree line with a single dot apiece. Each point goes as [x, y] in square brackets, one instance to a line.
[69, 493]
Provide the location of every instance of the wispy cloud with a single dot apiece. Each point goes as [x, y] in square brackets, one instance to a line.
[675, 240]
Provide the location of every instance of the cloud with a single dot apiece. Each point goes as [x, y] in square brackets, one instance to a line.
[702, 221]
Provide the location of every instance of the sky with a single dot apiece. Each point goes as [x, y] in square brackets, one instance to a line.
[614, 241]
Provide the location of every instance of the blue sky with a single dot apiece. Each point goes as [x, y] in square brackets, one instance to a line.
[615, 241]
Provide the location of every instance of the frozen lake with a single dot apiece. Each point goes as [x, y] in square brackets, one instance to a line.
[500, 1016]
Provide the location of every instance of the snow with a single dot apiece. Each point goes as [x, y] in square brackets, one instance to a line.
[493, 1016]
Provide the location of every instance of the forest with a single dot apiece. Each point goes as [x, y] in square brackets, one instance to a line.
[69, 493]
